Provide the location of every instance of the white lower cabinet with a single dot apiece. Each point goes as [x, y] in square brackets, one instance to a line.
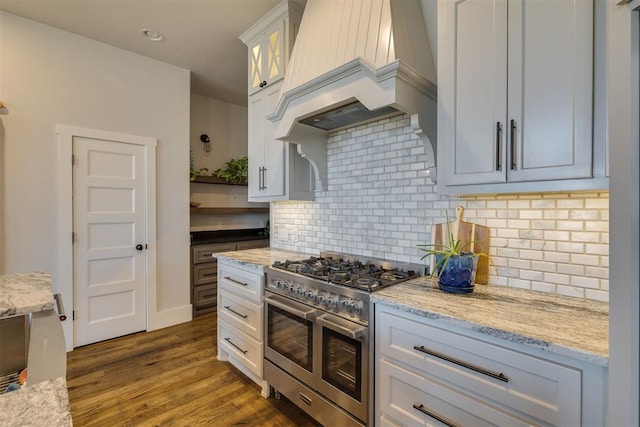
[241, 319]
[428, 374]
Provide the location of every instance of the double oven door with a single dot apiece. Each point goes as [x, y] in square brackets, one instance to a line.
[326, 352]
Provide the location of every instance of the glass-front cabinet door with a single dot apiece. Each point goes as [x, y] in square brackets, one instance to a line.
[266, 58]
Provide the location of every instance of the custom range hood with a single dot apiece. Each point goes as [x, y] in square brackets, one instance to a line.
[355, 61]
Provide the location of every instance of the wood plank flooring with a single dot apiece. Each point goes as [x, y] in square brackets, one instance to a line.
[169, 377]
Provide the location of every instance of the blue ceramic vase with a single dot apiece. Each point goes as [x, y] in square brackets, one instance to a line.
[458, 274]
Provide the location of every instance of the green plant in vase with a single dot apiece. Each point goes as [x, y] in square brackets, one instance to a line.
[455, 265]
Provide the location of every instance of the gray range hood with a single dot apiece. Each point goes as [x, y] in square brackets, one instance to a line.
[355, 61]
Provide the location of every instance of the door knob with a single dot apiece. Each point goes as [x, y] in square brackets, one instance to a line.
[139, 247]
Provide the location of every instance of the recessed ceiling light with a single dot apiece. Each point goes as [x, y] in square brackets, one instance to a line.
[152, 35]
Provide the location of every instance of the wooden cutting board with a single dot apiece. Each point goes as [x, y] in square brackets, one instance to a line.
[465, 232]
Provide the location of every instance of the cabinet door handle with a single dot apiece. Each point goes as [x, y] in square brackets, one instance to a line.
[264, 178]
[513, 144]
[498, 146]
[434, 415]
[499, 376]
[236, 281]
[263, 83]
[228, 307]
[227, 339]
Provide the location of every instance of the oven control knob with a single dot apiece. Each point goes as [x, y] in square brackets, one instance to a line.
[301, 292]
[356, 307]
[332, 301]
[278, 284]
[311, 295]
[323, 299]
[345, 304]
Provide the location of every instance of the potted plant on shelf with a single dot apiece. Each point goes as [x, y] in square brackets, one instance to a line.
[455, 267]
[235, 171]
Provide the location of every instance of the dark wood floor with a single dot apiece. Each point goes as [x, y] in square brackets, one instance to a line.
[169, 377]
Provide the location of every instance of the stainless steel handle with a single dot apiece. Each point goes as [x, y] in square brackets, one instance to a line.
[513, 144]
[227, 339]
[291, 307]
[260, 188]
[499, 376]
[305, 399]
[228, 307]
[264, 178]
[60, 307]
[236, 281]
[420, 407]
[353, 333]
[498, 146]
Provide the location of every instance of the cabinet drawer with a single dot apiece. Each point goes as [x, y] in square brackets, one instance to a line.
[539, 388]
[205, 273]
[205, 295]
[253, 244]
[241, 282]
[241, 314]
[203, 253]
[241, 346]
[408, 399]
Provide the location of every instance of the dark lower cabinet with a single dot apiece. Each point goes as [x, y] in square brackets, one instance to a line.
[204, 270]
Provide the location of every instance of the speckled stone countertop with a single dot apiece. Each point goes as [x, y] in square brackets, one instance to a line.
[571, 327]
[42, 404]
[25, 293]
[259, 258]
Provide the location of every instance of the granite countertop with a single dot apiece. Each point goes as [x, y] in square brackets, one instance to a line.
[42, 404]
[259, 258]
[25, 293]
[571, 327]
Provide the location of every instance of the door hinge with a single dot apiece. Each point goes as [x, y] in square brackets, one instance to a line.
[73, 237]
[73, 159]
[73, 315]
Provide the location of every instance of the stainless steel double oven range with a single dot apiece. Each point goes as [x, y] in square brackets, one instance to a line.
[318, 349]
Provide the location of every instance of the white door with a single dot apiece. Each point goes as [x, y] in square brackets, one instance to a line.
[109, 221]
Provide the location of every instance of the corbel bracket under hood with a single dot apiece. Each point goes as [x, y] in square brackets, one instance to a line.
[393, 85]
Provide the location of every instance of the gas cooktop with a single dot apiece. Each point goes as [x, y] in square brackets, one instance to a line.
[364, 275]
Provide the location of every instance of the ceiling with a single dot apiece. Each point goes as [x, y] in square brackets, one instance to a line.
[200, 35]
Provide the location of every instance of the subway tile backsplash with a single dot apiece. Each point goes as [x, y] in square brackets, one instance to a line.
[379, 203]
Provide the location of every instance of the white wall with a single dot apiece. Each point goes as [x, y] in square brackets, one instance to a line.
[50, 77]
[226, 125]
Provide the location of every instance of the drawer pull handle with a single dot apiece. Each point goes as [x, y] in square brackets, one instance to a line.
[434, 415]
[208, 274]
[228, 307]
[305, 399]
[500, 376]
[227, 339]
[236, 281]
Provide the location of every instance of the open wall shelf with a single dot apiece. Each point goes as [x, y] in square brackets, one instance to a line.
[215, 180]
[228, 210]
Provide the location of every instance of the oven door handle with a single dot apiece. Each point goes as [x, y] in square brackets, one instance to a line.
[354, 333]
[292, 307]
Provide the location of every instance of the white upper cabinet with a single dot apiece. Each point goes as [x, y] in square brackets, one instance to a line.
[266, 155]
[516, 87]
[266, 57]
[276, 171]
